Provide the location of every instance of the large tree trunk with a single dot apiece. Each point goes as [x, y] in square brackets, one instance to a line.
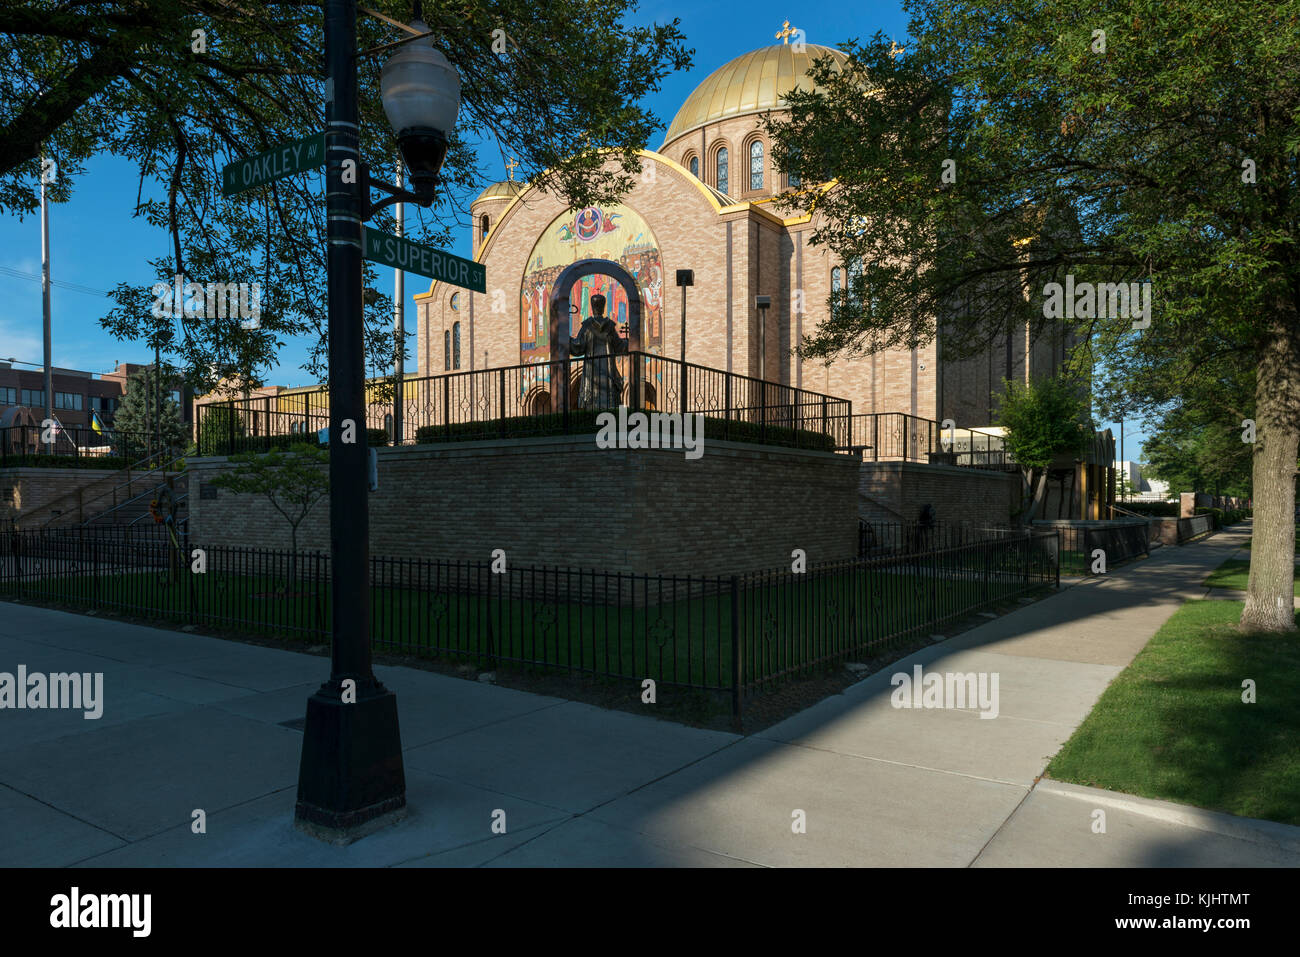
[1269, 605]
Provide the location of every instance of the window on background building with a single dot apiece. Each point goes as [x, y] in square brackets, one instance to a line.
[34, 398]
[446, 351]
[8, 396]
[756, 165]
[455, 346]
[695, 166]
[792, 179]
[854, 274]
[837, 282]
[722, 170]
[483, 223]
[68, 400]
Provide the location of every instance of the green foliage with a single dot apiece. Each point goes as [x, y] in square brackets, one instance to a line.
[125, 79]
[1153, 509]
[293, 481]
[136, 418]
[583, 422]
[1044, 420]
[1198, 451]
[110, 462]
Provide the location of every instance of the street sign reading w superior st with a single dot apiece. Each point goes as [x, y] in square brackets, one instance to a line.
[284, 160]
[403, 254]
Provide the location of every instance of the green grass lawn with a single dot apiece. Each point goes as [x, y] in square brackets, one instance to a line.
[677, 636]
[1173, 725]
[1235, 573]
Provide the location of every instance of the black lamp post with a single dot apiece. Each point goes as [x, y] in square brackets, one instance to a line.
[351, 780]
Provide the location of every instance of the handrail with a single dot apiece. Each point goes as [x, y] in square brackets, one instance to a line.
[75, 493]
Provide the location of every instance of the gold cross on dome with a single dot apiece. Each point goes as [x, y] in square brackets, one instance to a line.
[895, 49]
[511, 167]
[786, 32]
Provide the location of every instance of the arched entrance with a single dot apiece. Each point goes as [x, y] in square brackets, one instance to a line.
[559, 313]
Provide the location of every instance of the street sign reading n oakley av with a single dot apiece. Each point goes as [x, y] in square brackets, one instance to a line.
[403, 254]
[284, 160]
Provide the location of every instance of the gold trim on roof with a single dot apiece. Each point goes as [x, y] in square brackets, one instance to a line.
[751, 83]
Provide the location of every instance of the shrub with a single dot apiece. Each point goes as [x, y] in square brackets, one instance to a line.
[583, 422]
[1151, 509]
[113, 462]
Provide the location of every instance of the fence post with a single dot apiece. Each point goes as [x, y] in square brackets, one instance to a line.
[503, 403]
[762, 428]
[794, 411]
[562, 393]
[230, 428]
[446, 406]
[685, 384]
[726, 427]
[737, 695]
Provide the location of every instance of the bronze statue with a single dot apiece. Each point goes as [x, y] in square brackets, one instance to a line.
[599, 343]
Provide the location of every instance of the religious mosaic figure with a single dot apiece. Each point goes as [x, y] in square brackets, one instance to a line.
[599, 344]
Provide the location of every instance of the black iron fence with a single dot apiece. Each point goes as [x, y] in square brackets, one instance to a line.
[732, 634]
[540, 399]
[33, 445]
[895, 436]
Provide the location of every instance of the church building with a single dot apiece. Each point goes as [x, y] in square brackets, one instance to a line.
[703, 202]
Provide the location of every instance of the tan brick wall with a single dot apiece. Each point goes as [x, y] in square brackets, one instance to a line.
[30, 495]
[959, 495]
[739, 507]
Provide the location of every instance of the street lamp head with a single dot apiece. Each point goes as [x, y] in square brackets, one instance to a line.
[420, 91]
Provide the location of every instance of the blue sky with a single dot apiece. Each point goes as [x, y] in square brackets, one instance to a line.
[95, 242]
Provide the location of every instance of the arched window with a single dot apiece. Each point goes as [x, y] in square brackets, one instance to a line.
[483, 222]
[792, 179]
[756, 164]
[446, 351]
[455, 302]
[722, 170]
[836, 280]
[455, 345]
[695, 166]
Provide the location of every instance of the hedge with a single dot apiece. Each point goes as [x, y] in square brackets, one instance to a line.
[1152, 509]
[220, 445]
[1224, 516]
[583, 422]
[113, 462]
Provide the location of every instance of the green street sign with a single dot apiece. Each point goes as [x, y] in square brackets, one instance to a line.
[285, 160]
[425, 260]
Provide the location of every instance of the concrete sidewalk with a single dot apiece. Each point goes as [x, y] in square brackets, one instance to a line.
[194, 722]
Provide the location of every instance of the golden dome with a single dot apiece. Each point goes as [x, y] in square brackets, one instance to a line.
[752, 83]
[506, 189]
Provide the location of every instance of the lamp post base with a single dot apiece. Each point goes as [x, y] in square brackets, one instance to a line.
[351, 781]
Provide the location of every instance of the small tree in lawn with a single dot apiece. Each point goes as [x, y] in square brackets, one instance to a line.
[293, 481]
[1044, 419]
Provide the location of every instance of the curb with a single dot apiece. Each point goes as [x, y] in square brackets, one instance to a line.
[1268, 833]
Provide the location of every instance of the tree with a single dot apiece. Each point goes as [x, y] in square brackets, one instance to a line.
[1200, 453]
[182, 87]
[293, 481]
[138, 423]
[1015, 145]
[1044, 420]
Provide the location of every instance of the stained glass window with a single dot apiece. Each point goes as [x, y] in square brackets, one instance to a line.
[722, 170]
[756, 165]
